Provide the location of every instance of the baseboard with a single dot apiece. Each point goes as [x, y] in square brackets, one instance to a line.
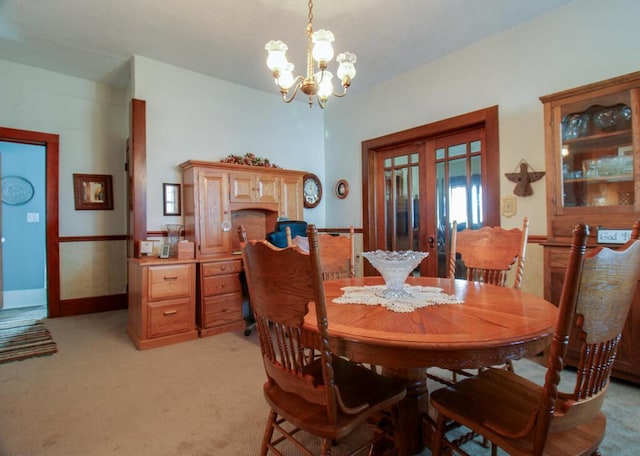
[94, 304]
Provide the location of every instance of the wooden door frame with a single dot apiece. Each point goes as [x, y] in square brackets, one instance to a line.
[486, 118]
[51, 144]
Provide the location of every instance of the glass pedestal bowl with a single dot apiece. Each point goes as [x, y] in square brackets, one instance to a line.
[395, 268]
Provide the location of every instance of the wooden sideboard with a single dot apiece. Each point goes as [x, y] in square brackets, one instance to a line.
[161, 301]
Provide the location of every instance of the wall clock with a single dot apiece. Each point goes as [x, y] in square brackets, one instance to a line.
[342, 189]
[311, 190]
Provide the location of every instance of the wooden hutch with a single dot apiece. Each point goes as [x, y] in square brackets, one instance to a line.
[592, 142]
[217, 198]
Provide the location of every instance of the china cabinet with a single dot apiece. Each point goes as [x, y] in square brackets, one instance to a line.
[161, 301]
[592, 141]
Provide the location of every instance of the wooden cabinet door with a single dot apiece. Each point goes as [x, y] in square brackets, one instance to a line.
[291, 200]
[267, 188]
[254, 188]
[241, 187]
[213, 211]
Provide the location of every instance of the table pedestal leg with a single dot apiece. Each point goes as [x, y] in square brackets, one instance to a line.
[411, 409]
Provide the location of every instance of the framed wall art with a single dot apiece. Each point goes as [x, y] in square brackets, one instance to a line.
[93, 192]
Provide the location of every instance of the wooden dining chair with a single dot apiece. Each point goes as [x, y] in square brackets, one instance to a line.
[307, 386]
[336, 253]
[489, 253]
[524, 418]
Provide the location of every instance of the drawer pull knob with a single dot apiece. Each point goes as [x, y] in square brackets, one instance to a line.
[171, 277]
[223, 268]
[170, 312]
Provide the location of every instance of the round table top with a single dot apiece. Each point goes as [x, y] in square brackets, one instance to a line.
[492, 324]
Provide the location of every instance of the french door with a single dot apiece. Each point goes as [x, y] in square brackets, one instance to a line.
[415, 190]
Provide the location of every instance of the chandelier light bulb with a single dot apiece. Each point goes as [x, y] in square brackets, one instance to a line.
[322, 49]
[276, 59]
[285, 79]
[325, 87]
[346, 70]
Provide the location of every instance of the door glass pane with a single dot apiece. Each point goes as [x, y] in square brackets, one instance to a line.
[401, 160]
[441, 219]
[389, 209]
[458, 200]
[475, 190]
[415, 207]
[457, 150]
[475, 146]
[440, 153]
[402, 207]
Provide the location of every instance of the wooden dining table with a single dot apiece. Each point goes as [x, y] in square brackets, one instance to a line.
[491, 325]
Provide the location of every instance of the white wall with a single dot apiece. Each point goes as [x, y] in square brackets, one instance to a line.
[192, 116]
[91, 120]
[583, 42]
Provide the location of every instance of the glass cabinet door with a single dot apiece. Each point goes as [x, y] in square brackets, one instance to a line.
[596, 152]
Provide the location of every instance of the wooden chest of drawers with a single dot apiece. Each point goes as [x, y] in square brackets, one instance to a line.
[219, 307]
[161, 302]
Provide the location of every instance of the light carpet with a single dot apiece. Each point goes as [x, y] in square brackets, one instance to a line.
[100, 396]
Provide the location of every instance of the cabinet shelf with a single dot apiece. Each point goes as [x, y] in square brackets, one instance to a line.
[600, 179]
[603, 139]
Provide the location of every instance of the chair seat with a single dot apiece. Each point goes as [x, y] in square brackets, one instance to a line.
[357, 385]
[507, 401]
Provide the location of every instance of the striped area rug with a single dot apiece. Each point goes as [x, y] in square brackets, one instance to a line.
[22, 338]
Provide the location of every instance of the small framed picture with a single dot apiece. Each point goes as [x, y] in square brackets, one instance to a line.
[171, 199]
[93, 192]
[164, 250]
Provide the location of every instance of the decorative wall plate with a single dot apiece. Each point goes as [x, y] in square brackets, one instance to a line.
[16, 190]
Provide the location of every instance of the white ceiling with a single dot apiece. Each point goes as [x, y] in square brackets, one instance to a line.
[94, 39]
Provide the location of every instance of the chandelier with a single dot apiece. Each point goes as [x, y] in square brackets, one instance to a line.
[316, 84]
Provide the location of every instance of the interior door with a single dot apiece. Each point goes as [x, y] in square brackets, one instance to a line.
[425, 187]
[403, 219]
[458, 167]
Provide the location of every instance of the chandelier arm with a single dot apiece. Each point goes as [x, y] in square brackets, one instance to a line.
[297, 83]
[340, 95]
[321, 103]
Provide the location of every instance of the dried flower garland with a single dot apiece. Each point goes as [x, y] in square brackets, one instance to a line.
[249, 159]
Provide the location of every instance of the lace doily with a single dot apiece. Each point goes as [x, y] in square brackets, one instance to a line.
[420, 297]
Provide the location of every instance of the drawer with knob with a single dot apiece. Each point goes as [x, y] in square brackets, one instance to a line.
[219, 307]
[162, 304]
